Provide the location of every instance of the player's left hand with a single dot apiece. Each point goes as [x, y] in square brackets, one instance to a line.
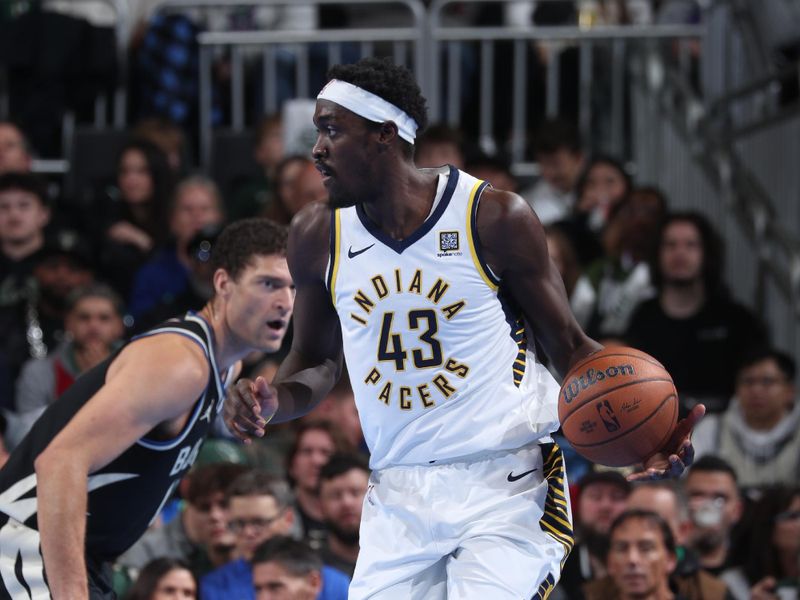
[677, 454]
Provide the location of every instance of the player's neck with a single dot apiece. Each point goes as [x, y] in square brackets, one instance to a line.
[683, 301]
[404, 202]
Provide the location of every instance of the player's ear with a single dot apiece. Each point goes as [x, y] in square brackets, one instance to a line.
[387, 133]
[222, 282]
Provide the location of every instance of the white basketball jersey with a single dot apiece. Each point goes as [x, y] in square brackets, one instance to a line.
[438, 356]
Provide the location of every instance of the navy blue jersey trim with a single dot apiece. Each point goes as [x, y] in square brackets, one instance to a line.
[400, 245]
[473, 223]
[332, 250]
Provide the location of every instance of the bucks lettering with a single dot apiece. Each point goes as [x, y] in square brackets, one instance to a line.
[409, 341]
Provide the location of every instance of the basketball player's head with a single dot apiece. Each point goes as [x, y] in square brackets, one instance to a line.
[715, 504]
[286, 569]
[689, 252]
[259, 507]
[367, 117]
[641, 555]
[252, 284]
[343, 483]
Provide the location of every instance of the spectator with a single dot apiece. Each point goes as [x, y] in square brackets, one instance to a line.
[133, 222]
[601, 498]
[771, 554]
[254, 196]
[715, 507]
[314, 445]
[343, 484]
[15, 151]
[169, 138]
[439, 145]
[621, 279]
[24, 214]
[199, 286]
[602, 185]
[759, 432]
[582, 295]
[667, 500]
[307, 187]
[196, 204]
[259, 507]
[339, 407]
[285, 569]
[199, 535]
[641, 558]
[693, 327]
[286, 173]
[494, 169]
[35, 326]
[94, 329]
[558, 152]
[164, 579]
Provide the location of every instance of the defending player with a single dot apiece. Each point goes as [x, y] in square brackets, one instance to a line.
[130, 428]
[426, 279]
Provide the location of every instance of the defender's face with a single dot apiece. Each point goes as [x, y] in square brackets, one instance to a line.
[259, 303]
[343, 154]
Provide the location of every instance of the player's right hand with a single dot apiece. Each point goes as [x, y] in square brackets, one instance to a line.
[249, 406]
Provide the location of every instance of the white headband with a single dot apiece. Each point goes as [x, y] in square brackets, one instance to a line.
[368, 105]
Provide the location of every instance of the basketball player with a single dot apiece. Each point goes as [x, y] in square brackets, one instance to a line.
[101, 461]
[433, 285]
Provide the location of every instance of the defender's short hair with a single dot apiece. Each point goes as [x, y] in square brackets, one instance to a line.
[241, 241]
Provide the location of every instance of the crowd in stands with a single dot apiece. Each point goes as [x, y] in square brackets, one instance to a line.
[279, 518]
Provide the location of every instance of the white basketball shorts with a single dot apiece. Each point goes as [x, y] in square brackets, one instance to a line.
[497, 526]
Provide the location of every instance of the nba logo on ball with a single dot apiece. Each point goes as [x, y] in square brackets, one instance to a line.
[618, 406]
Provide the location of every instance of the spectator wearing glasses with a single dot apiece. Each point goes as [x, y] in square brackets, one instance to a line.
[759, 433]
[259, 507]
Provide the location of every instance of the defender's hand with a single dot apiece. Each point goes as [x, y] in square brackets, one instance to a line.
[249, 406]
[677, 454]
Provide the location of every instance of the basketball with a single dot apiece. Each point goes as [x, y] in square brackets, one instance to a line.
[618, 406]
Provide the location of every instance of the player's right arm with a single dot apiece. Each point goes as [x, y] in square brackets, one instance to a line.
[314, 363]
[153, 381]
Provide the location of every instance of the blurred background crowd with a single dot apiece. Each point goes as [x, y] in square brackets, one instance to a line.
[130, 135]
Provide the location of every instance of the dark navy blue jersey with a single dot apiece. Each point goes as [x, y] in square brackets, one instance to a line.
[128, 493]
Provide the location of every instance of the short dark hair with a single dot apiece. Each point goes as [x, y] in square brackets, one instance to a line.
[210, 479]
[26, 182]
[713, 251]
[257, 482]
[96, 290]
[339, 464]
[293, 555]
[555, 134]
[646, 515]
[713, 464]
[147, 581]
[784, 361]
[393, 83]
[241, 241]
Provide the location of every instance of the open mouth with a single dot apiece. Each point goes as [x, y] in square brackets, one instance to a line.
[277, 325]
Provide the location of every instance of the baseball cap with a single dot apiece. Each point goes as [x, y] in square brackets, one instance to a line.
[67, 243]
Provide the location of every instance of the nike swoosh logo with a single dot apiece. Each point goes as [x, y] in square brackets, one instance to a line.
[351, 254]
[512, 477]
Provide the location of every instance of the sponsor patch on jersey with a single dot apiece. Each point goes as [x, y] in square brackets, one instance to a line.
[449, 244]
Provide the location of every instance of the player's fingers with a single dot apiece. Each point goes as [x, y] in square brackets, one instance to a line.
[232, 427]
[243, 393]
[687, 454]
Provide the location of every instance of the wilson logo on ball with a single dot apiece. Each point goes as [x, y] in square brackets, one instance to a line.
[571, 390]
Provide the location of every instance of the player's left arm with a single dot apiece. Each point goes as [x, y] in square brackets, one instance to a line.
[515, 248]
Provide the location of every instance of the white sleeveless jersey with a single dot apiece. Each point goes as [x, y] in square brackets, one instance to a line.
[439, 359]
